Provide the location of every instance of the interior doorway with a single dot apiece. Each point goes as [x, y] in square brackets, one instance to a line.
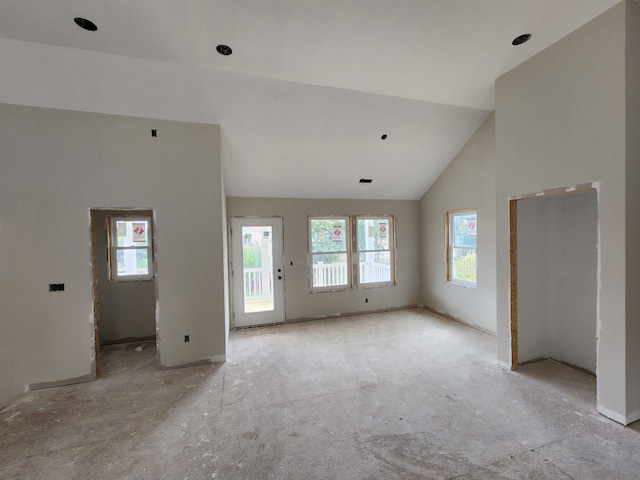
[124, 278]
[554, 278]
[258, 271]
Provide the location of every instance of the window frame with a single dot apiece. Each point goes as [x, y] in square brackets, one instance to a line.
[113, 248]
[391, 235]
[348, 250]
[450, 247]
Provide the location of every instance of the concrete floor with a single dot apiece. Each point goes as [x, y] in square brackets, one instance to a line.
[399, 395]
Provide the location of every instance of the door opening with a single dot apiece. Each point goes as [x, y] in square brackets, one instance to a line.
[124, 279]
[554, 272]
[258, 271]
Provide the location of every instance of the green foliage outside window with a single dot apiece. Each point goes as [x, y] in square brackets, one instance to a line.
[322, 240]
[252, 255]
[464, 268]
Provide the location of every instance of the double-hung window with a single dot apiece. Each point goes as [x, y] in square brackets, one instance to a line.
[329, 241]
[130, 248]
[375, 245]
[462, 242]
[340, 259]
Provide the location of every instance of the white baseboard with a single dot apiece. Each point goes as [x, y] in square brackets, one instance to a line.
[634, 417]
[505, 365]
[615, 416]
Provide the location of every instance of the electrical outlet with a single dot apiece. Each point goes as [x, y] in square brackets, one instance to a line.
[56, 287]
[186, 338]
[366, 300]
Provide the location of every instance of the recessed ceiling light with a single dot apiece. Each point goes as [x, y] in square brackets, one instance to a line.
[384, 137]
[366, 180]
[521, 39]
[224, 50]
[86, 24]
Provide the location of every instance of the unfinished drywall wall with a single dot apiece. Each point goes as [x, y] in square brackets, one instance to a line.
[557, 278]
[300, 303]
[57, 165]
[468, 182]
[127, 309]
[632, 189]
[560, 121]
[533, 308]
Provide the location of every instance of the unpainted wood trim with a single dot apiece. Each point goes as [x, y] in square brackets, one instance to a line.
[96, 303]
[513, 280]
[447, 248]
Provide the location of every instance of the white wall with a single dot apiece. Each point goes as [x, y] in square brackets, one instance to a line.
[533, 307]
[468, 182]
[300, 303]
[557, 278]
[560, 121]
[56, 166]
[632, 188]
[127, 309]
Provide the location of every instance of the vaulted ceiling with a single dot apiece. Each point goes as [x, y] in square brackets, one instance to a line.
[311, 85]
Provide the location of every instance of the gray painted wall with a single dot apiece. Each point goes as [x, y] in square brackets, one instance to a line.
[59, 164]
[127, 309]
[561, 121]
[557, 278]
[632, 189]
[300, 303]
[468, 182]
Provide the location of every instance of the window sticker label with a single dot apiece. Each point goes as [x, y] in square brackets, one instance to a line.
[337, 233]
[139, 232]
[471, 226]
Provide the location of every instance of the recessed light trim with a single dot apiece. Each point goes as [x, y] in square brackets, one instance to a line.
[224, 49]
[86, 24]
[521, 39]
[366, 180]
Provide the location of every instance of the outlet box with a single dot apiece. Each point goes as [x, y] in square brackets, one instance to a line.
[366, 300]
[186, 338]
[56, 287]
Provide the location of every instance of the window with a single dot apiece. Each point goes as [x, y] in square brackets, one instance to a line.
[461, 233]
[330, 253]
[130, 254]
[375, 243]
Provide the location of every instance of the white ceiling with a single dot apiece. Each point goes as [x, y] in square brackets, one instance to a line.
[309, 89]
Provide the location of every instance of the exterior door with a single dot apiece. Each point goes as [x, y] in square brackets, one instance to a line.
[258, 271]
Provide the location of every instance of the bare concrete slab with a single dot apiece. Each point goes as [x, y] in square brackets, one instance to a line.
[397, 395]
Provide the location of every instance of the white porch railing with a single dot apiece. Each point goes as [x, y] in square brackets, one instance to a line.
[258, 283]
[372, 272]
[329, 274]
[335, 274]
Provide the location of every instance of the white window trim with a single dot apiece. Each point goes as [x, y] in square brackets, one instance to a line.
[347, 251]
[391, 250]
[450, 215]
[113, 248]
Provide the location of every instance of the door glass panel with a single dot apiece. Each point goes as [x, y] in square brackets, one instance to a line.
[257, 269]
